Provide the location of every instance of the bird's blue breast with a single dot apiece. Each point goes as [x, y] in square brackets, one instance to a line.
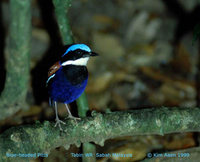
[62, 90]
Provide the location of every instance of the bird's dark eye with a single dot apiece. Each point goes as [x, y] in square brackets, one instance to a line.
[79, 52]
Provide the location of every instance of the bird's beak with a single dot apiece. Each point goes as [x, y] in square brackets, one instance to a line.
[94, 54]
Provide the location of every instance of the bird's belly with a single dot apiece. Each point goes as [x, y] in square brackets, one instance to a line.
[63, 91]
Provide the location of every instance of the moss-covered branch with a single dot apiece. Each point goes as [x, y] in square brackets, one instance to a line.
[17, 58]
[98, 128]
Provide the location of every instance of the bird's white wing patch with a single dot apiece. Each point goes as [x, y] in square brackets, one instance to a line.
[50, 78]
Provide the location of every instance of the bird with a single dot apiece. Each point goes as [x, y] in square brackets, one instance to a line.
[68, 77]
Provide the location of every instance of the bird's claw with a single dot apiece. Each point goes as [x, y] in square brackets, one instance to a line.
[58, 122]
[74, 118]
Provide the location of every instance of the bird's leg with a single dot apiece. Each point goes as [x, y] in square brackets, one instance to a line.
[50, 101]
[58, 121]
[70, 115]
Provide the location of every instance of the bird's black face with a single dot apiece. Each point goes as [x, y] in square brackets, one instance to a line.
[77, 56]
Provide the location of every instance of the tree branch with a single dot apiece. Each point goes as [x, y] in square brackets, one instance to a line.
[17, 57]
[98, 128]
[61, 9]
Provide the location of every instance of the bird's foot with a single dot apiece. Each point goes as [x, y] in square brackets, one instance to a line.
[58, 122]
[74, 118]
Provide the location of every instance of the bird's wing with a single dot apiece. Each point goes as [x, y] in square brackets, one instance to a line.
[49, 79]
[52, 71]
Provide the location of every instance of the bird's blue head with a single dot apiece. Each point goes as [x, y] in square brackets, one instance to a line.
[77, 54]
[75, 47]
